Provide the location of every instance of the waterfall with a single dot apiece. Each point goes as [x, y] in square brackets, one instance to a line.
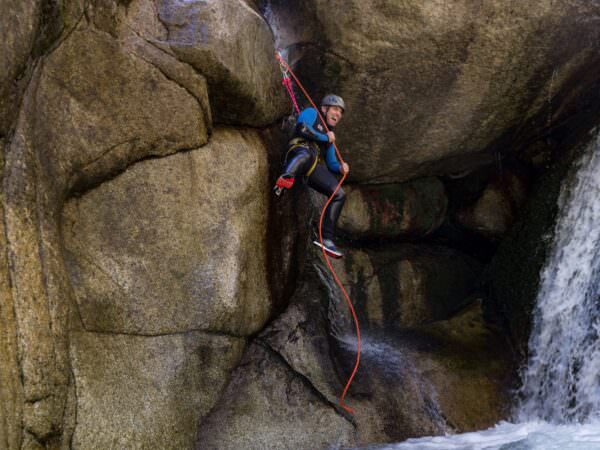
[559, 401]
[561, 382]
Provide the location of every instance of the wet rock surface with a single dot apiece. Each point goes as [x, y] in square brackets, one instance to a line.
[403, 285]
[408, 210]
[401, 388]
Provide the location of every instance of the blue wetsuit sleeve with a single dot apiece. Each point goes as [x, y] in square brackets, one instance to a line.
[331, 159]
[306, 120]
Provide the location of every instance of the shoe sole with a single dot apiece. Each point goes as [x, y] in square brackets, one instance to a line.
[336, 255]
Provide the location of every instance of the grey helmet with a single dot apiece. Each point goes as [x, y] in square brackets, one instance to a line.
[333, 100]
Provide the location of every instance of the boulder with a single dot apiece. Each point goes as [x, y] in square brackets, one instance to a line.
[470, 366]
[229, 43]
[176, 243]
[495, 210]
[85, 116]
[147, 391]
[406, 285]
[437, 378]
[409, 210]
[95, 117]
[269, 406]
[436, 88]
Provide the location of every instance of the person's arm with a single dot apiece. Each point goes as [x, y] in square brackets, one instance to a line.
[306, 119]
[331, 160]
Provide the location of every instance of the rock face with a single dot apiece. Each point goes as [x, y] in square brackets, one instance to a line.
[22, 19]
[410, 210]
[183, 253]
[182, 256]
[404, 286]
[104, 96]
[142, 251]
[496, 208]
[294, 372]
[515, 269]
[141, 391]
[463, 353]
[435, 88]
[98, 118]
[267, 405]
[231, 44]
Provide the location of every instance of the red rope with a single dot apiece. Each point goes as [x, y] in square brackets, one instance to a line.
[286, 68]
[290, 90]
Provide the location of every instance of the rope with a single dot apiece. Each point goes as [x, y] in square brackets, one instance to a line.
[286, 69]
[288, 86]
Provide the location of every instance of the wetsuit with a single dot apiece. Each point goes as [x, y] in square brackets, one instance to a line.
[314, 143]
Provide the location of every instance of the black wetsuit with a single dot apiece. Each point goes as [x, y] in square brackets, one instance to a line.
[301, 158]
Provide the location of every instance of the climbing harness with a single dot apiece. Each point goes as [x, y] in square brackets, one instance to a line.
[287, 71]
[300, 142]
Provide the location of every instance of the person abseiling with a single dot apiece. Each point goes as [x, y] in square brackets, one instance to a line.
[310, 144]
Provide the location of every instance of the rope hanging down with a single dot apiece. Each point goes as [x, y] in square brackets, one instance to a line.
[285, 69]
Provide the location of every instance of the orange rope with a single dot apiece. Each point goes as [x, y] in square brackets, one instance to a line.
[286, 68]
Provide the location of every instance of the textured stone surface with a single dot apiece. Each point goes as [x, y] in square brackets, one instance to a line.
[37, 280]
[178, 242]
[147, 392]
[436, 87]
[21, 19]
[98, 116]
[232, 46]
[469, 365]
[268, 406]
[495, 210]
[515, 269]
[408, 210]
[175, 243]
[85, 116]
[406, 285]
[403, 388]
[11, 388]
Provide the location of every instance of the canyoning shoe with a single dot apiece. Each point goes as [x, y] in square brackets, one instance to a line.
[329, 248]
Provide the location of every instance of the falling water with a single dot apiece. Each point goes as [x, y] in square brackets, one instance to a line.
[559, 401]
[561, 383]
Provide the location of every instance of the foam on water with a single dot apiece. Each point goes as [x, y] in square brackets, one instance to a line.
[509, 436]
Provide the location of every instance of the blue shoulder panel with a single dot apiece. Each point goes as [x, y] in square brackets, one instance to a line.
[306, 122]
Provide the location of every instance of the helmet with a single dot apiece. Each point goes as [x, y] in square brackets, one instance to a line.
[333, 100]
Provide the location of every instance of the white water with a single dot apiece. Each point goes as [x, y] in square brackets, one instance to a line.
[559, 406]
[508, 436]
[561, 382]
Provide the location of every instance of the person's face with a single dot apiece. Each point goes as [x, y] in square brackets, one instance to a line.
[333, 114]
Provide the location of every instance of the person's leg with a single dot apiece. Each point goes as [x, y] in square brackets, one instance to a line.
[297, 164]
[323, 181]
